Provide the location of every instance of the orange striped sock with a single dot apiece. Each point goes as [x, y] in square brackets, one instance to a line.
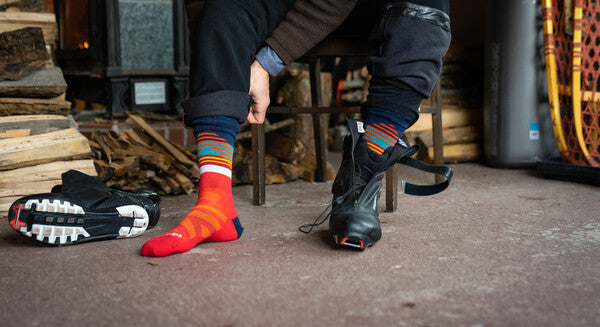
[213, 218]
[382, 129]
[380, 137]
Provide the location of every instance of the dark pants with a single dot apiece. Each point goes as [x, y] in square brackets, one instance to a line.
[408, 45]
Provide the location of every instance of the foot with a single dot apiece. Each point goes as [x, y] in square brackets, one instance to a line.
[213, 219]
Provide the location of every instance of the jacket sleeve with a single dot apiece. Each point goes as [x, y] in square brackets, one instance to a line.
[307, 23]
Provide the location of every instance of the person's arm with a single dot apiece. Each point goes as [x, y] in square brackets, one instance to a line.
[307, 23]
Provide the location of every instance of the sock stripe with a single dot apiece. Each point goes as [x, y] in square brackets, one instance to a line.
[389, 129]
[215, 154]
[377, 149]
[212, 210]
[216, 168]
[375, 136]
[382, 128]
[380, 136]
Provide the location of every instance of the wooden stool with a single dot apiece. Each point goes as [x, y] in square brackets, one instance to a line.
[336, 47]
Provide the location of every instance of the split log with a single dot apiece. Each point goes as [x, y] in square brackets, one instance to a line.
[454, 153]
[45, 172]
[24, 106]
[67, 144]
[37, 124]
[451, 117]
[280, 172]
[15, 133]
[21, 51]
[457, 135]
[41, 83]
[4, 3]
[134, 159]
[177, 154]
[19, 20]
[21, 182]
[308, 164]
[285, 148]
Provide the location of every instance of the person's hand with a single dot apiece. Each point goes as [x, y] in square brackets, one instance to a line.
[259, 90]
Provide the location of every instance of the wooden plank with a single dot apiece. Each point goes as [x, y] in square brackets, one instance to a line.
[45, 172]
[41, 83]
[166, 189]
[25, 189]
[22, 52]
[37, 149]
[186, 185]
[457, 135]
[451, 117]
[37, 124]
[15, 133]
[4, 3]
[5, 203]
[458, 152]
[184, 150]
[10, 21]
[25, 106]
[106, 150]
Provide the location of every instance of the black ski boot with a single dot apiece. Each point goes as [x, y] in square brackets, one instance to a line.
[84, 209]
[354, 218]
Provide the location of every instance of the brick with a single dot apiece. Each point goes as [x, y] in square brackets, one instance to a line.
[177, 135]
[191, 140]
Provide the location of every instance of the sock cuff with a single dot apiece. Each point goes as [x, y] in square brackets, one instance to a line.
[226, 127]
[381, 116]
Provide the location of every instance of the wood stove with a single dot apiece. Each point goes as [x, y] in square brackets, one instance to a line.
[124, 54]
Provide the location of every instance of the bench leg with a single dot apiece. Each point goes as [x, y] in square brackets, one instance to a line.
[258, 164]
[319, 125]
[391, 189]
[438, 137]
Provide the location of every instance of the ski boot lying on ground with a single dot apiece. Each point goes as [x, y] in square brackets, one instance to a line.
[84, 209]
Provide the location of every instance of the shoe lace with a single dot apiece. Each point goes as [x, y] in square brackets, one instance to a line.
[322, 218]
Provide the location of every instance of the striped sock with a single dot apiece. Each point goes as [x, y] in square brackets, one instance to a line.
[213, 218]
[383, 128]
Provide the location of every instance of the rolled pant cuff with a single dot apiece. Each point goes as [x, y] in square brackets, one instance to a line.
[221, 103]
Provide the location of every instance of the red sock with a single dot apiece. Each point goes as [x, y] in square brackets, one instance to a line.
[213, 218]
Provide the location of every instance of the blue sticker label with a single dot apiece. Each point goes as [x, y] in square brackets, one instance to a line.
[534, 131]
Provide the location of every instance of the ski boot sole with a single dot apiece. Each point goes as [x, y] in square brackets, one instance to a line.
[353, 241]
[60, 222]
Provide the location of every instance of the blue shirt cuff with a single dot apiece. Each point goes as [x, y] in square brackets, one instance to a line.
[270, 60]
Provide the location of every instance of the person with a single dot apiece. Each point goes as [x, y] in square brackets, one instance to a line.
[236, 45]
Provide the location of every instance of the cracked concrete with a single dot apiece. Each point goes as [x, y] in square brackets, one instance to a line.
[498, 248]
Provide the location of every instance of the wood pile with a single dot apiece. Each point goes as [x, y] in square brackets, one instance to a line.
[34, 151]
[30, 82]
[142, 158]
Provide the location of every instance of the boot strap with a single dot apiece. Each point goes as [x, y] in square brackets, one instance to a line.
[423, 190]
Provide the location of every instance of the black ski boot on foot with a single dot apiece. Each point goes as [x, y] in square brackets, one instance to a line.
[84, 209]
[354, 218]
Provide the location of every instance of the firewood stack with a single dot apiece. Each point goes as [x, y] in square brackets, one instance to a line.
[142, 158]
[34, 151]
[30, 82]
[37, 141]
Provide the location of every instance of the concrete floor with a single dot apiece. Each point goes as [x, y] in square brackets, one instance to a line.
[498, 248]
